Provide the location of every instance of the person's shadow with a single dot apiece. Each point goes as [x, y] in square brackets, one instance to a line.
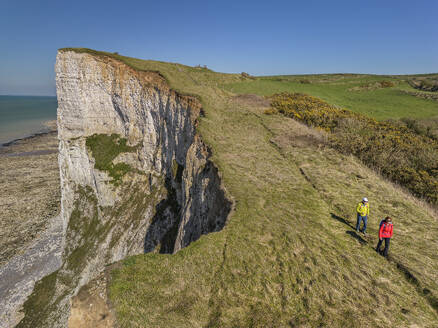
[353, 232]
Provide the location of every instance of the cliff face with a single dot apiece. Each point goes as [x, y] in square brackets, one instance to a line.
[135, 176]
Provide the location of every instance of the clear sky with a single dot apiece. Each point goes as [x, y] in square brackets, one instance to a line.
[259, 37]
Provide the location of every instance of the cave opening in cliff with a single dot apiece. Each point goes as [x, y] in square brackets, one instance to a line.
[185, 214]
[165, 220]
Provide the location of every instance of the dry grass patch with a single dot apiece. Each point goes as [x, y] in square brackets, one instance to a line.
[252, 100]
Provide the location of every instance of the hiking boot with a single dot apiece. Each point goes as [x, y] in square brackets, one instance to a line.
[364, 233]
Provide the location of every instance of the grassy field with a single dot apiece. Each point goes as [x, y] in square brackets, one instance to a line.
[289, 256]
[350, 91]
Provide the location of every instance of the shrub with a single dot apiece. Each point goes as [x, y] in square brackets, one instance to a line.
[397, 151]
[270, 111]
[247, 76]
[373, 86]
[386, 84]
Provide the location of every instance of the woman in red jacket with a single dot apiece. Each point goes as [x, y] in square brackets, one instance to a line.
[385, 232]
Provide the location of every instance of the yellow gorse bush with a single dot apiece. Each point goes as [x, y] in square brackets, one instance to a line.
[397, 152]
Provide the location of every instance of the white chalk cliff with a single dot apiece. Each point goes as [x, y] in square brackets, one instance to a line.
[160, 191]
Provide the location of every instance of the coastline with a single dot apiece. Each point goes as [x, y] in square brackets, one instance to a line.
[25, 116]
[49, 127]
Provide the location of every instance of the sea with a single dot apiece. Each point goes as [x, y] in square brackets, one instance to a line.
[24, 116]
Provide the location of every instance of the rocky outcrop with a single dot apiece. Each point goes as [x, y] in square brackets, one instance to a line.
[425, 83]
[135, 175]
[18, 276]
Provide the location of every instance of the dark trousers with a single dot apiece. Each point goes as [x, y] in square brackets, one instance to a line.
[385, 251]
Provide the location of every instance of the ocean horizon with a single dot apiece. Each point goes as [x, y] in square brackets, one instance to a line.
[23, 116]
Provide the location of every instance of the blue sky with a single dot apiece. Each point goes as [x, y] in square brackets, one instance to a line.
[258, 37]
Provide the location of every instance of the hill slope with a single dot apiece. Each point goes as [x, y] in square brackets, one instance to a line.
[289, 255]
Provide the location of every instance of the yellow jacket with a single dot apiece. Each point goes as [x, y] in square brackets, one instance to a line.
[363, 209]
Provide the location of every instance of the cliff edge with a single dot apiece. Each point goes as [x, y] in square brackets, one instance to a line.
[135, 175]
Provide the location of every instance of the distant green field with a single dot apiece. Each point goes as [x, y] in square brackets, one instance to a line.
[352, 91]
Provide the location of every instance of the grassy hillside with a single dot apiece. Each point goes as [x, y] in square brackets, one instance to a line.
[400, 153]
[289, 256]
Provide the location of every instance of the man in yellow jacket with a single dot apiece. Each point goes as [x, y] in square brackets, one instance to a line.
[363, 210]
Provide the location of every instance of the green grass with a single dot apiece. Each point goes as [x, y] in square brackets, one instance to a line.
[105, 148]
[380, 104]
[288, 257]
[42, 295]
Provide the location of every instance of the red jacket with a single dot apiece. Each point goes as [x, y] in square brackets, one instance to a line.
[385, 230]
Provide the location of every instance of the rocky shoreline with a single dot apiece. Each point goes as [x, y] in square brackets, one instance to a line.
[30, 191]
[30, 229]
